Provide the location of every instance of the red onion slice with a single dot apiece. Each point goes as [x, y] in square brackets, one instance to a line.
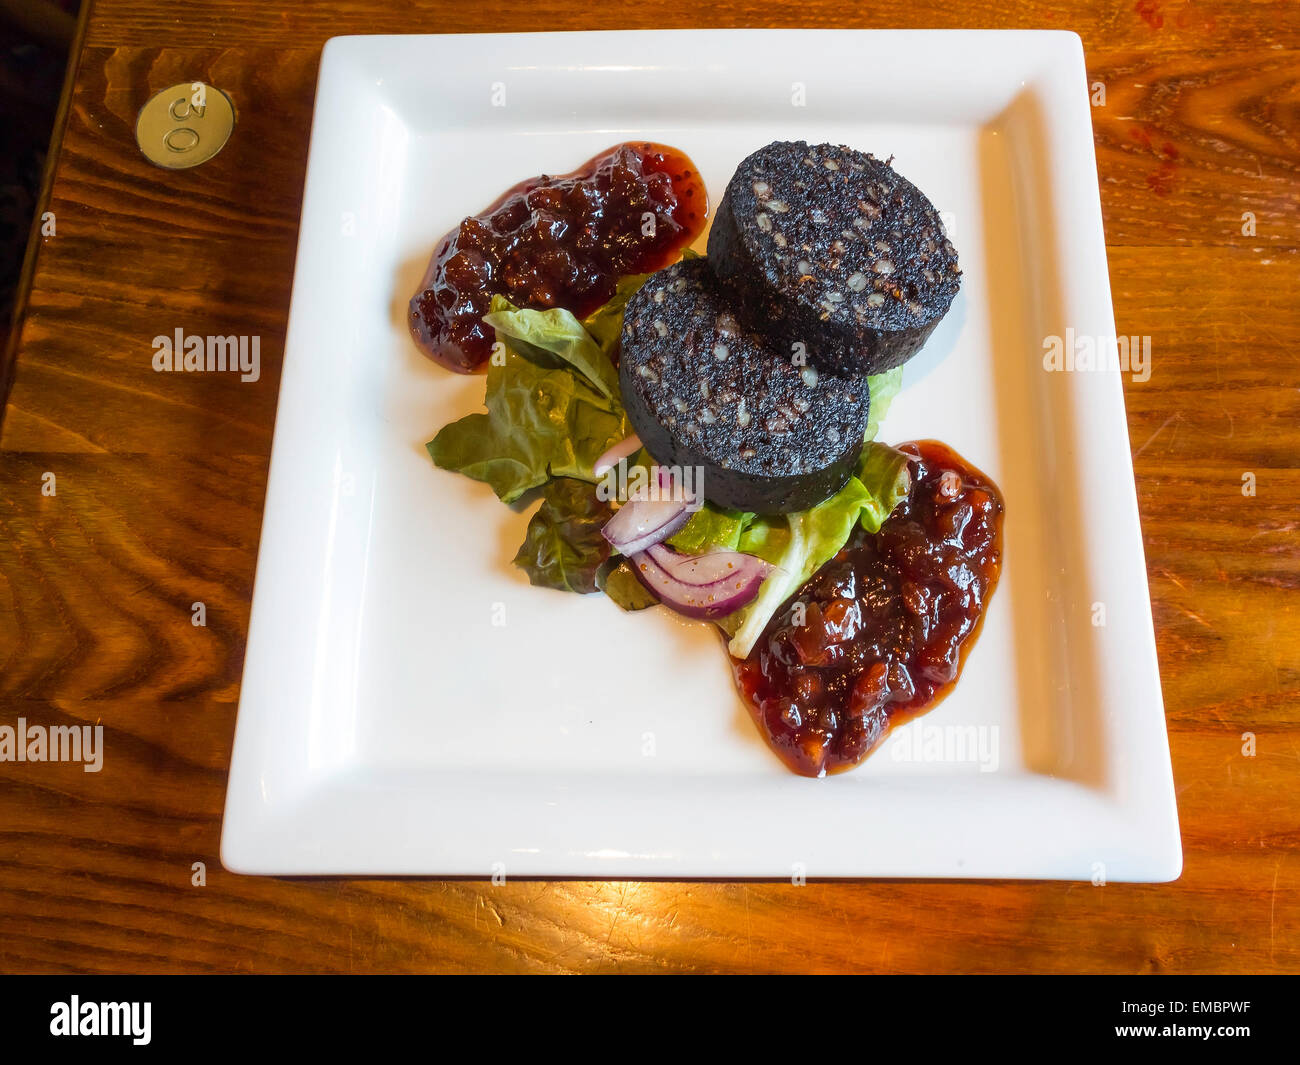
[713, 600]
[705, 569]
[616, 454]
[642, 523]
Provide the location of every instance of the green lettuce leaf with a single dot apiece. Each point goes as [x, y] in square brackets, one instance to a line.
[553, 406]
[540, 423]
[605, 323]
[564, 547]
[883, 388]
[799, 544]
[767, 537]
[884, 474]
[617, 581]
[555, 338]
[711, 527]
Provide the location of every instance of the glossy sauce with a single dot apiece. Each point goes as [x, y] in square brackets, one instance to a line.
[557, 242]
[886, 624]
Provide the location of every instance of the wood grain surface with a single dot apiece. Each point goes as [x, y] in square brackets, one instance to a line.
[160, 487]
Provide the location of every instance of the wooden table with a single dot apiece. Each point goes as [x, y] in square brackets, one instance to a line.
[160, 491]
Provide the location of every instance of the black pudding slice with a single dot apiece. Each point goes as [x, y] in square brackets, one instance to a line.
[772, 433]
[830, 246]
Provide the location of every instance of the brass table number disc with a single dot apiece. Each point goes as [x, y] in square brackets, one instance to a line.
[185, 125]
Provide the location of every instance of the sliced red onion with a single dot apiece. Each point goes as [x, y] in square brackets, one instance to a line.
[642, 523]
[707, 568]
[719, 597]
[616, 454]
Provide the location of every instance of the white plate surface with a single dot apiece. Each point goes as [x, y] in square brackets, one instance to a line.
[410, 705]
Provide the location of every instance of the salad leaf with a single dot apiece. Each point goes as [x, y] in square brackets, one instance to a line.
[540, 423]
[555, 338]
[767, 538]
[605, 323]
[553, 406]
[711, 527]
[799, 544]
[883, 388]
[617, 581]
[884, 473]
[564, 547]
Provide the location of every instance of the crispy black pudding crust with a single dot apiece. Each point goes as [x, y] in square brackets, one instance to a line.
[772, 433]
[830, 247]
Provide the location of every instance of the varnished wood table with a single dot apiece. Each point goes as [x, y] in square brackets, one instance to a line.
[159, 501]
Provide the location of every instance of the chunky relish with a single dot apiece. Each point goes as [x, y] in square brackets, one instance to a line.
[880, 633]
[558, 242]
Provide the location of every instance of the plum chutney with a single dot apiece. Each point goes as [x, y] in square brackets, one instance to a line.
[880, 633]
[557, 242]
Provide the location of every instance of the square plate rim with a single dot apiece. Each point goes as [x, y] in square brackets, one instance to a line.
[244, 837]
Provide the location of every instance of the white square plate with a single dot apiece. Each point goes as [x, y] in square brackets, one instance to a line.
[410, 705]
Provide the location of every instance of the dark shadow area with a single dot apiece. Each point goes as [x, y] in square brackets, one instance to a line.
[36, 39]
[35, 36]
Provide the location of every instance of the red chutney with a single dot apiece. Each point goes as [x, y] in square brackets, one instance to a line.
[887, 623]
[557, 242]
